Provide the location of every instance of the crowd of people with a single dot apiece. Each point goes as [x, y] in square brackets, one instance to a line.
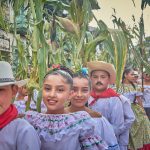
[81, 110]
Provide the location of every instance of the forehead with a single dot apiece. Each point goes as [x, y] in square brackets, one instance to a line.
[99, 73]
[55, 80]
[131, 72]
[80, 82]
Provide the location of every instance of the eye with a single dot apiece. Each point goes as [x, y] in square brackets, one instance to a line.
[47, 88]
[85, 90]
[103, 77]
[94, 77]
[60, 90]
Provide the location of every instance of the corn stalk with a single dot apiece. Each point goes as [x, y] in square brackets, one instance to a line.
[116, 46]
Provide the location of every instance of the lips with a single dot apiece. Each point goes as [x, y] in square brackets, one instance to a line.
[79, 100]
[51, 102]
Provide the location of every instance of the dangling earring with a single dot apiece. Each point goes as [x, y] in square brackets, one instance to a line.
[67, 103]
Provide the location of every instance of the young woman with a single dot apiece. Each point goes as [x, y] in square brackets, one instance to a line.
[81, 93]
[146, 94]
[58, 129]
[140, 131]
[15, 133]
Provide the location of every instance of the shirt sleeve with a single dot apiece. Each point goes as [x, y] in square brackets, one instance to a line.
[28, 139]
[106, 131]
[129, 116]
[116, 117]
[90, 141]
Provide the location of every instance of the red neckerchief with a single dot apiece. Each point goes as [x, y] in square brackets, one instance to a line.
[106, 94]
[9, 115]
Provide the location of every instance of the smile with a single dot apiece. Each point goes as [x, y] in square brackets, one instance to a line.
[52, 102]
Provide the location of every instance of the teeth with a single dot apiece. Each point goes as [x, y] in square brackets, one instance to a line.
[52, 101]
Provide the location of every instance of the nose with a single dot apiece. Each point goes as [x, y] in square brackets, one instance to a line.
[52, 93]
[99, 79]
[79, 93]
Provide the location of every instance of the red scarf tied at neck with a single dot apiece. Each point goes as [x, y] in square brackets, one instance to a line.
[9, 115]
[105, 94]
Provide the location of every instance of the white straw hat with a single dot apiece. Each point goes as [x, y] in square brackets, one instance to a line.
[104, 66]
[6, 75]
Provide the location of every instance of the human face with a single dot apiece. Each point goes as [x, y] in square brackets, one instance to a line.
[23, 91]
[100, 80]
[146, 77]
[130, 76]
[55, 92]
[81, 92]
[6, 95]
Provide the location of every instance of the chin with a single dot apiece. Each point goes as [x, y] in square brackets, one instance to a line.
[51, 108]
[101, 89]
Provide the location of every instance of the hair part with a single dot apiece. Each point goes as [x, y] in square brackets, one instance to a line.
[80, 75]
[64, 74]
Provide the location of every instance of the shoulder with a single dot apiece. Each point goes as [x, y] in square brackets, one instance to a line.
[93, 113]
[22, 124]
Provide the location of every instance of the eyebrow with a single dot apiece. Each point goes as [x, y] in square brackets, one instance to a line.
[56, 85]
[81, 87]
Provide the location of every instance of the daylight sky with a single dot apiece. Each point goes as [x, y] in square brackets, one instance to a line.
[124, 9]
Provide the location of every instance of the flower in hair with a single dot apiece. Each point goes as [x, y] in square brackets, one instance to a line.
[56, 66]
[84, 71]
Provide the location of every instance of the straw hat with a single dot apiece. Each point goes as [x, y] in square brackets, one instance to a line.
[6, 75]
[104, 66]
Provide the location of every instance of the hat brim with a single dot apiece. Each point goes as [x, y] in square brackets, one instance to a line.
[18, 83]
[100, 65]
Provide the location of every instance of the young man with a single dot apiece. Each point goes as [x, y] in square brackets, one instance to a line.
[15, 133]
[116, 108]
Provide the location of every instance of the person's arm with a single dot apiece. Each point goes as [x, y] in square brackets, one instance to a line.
[27, 138]
[129, 116]
[106, 131]
[89, 141]
[139, 101]
[116, 116]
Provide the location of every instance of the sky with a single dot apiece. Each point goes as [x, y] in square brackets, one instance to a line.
[124, 9]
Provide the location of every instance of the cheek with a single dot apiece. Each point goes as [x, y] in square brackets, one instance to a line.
[44, 93]
[74, 94]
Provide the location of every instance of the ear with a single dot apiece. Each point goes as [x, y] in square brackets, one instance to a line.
[125, 75]
[14, 90]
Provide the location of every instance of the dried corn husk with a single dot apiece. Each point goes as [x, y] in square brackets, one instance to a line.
[68, 25]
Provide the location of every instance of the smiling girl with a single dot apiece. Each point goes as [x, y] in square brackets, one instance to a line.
[58, 129]
[81, 93]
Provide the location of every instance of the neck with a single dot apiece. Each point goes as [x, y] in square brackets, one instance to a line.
[147, 82]
[126, 81]
[60, 111]
[75, 109]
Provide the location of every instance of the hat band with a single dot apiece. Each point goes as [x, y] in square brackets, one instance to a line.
[7, 80]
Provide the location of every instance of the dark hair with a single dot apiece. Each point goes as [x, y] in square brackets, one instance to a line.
[80, 75]
[63, 73]
[126, 71]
